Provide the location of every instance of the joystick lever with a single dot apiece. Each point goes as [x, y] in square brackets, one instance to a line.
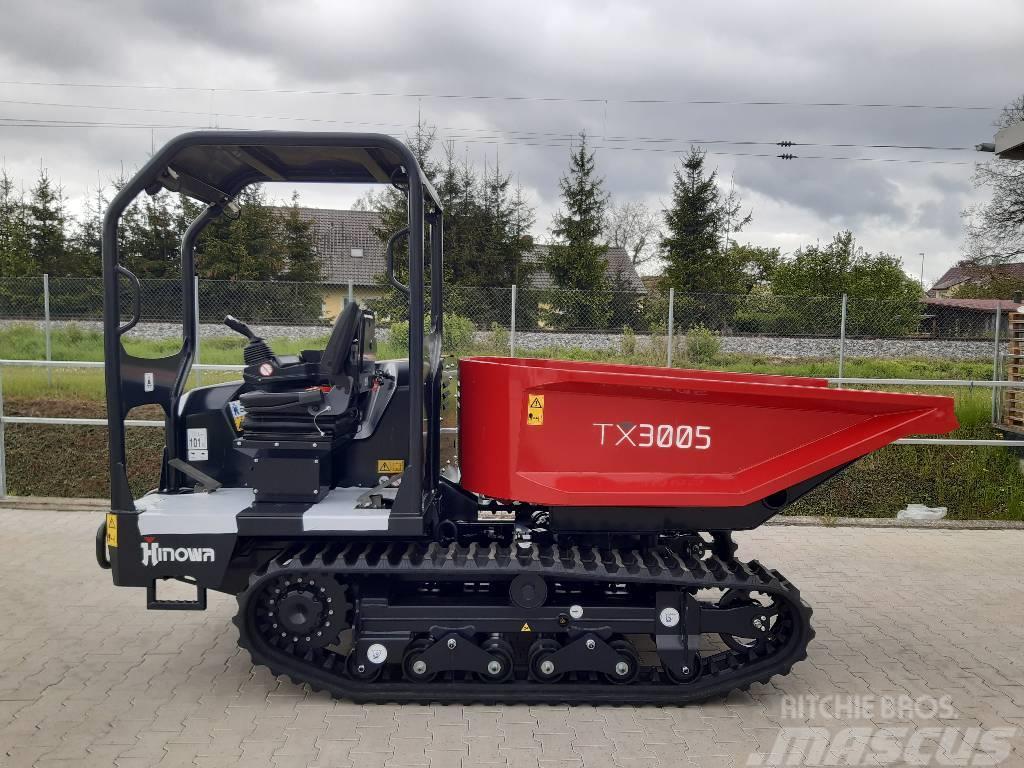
[238, 326]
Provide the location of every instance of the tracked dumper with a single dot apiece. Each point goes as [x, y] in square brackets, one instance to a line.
[581, 548]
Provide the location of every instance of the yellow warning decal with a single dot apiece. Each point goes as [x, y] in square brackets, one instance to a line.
[111, 529]
[534, 410]
[526, 628]
[387, 466]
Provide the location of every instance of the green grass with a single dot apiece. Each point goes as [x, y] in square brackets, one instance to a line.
[972, 482]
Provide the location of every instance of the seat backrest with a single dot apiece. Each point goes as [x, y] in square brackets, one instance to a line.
[339, 346]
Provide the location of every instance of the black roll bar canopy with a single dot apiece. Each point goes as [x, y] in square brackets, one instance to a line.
[213, 167]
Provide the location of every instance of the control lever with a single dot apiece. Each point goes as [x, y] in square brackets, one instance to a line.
[238, 326]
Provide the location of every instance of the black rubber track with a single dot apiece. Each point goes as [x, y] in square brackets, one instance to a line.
[722, 672]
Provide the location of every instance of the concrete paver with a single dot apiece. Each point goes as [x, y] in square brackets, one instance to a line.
[916, 629]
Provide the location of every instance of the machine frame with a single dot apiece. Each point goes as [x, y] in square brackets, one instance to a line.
[233, 160]
[541, 574]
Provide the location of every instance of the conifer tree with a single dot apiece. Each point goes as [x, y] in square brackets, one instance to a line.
[576, 260]
[302, 263]
[694, 223]
[87, 241]
[15, 260]
[46, 224]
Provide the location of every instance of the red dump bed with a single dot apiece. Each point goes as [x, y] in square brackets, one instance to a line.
[564, 433]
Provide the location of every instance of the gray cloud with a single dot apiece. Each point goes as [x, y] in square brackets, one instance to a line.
[901, 52]
[844, 194]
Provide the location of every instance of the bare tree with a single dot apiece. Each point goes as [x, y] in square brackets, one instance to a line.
[995, 230]
[732, 214]
[635, 228]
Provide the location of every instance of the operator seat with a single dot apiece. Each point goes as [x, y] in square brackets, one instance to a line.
[337, 359]
[317, 405]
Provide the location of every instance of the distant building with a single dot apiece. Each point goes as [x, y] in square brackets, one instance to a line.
[350, 251]
[964, 318]
[973, 274]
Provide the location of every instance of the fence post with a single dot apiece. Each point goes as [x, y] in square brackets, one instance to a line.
[3, 454]
[995, 364]
[671, 321]
[512, 324]
[199, 373]
[350, 291]
[46, 326]
[842, 339]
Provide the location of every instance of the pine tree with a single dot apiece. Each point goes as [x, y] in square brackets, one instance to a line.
[46, 228]
[485, 234]
[87, 242]
[15, 260]
[694, 223]
[242, 245]
[576, 260]
[302, 263]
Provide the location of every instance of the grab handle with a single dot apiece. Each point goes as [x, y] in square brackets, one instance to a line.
[390, 257]
[136, 300]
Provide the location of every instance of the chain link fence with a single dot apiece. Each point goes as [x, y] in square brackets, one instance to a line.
[672, 325]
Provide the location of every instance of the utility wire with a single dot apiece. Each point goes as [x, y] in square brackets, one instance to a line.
[785, 156]
[501, 133]
[10, 122]
[499, 97]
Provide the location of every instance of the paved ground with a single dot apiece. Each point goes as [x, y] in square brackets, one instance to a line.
[909, 622]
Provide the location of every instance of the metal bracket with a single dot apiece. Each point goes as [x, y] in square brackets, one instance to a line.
[589, 653]
[453, 652]
[677, 621]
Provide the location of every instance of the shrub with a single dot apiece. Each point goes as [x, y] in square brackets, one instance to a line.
[751, 321]
[628, 341]
[398, 334]
[457, 337]
[458, 334]
[499, 339]
[702, 344]
[657, 349]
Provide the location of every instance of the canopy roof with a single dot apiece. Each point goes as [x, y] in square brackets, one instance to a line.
[213, 166]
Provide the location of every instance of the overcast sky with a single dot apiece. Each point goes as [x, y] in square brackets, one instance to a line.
[218, 64]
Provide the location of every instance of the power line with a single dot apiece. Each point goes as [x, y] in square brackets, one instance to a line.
[551, 135]
[786, 156]
[501, 97]
[10, 122]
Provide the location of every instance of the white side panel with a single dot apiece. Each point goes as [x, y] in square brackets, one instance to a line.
[338, 512]
[185, 513]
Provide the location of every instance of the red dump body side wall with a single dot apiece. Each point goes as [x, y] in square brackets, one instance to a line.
[619, 435]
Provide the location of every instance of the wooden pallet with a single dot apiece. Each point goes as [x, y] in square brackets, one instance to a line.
[1014, 351]
[1014, 415]
[1015, 324]
[1013, 399]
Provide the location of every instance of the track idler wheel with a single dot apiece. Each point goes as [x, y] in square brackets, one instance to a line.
[628, 666]
[359, 669]
[762, 632]
[541, 665]
[500, 668]
[413, 663]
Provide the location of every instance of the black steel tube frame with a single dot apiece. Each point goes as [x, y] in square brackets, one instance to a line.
[424, 477]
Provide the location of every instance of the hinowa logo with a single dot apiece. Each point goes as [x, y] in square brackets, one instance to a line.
[153, 553]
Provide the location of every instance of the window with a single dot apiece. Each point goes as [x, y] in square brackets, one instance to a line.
[356, 253]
